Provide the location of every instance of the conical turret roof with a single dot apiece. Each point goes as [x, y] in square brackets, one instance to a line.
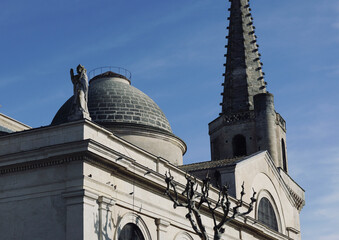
[243, 75]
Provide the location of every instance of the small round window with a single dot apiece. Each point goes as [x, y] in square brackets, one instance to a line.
[130, 232]
[266, 214]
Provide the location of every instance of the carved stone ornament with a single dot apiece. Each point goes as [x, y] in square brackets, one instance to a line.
[79, 109]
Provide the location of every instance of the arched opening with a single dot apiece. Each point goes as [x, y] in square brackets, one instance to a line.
[131, 232]
[283, 149]
[239, 145]
[132, 226]
[266, 214]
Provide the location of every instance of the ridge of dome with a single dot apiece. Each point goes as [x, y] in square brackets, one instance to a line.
[109, 74]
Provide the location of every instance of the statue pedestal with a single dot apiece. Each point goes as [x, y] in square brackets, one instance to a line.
[77, 115]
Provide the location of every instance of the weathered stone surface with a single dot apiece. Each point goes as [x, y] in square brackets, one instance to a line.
[131, 105]
[243, 74]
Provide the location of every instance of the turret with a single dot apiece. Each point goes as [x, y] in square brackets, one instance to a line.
[265, 123]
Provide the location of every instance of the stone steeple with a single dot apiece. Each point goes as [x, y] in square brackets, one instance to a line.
[248, 122]
[243, 75]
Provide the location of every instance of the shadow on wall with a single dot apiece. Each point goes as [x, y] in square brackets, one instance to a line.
[106, 226]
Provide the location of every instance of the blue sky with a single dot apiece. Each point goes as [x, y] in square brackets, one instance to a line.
[174, 50]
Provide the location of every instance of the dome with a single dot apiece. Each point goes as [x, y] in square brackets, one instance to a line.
[113, 102]
[130, 114]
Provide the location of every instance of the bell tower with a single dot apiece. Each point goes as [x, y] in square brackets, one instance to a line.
[248, 122]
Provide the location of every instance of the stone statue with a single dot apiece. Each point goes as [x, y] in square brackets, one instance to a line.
[79, 109]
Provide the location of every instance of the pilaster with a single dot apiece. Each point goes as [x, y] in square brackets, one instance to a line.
[162, 226]
[78, 202]
[105, 217]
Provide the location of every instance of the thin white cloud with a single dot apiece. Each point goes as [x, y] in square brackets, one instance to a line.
[318, 174]
[330, 199]
[330, 70]
[330, 237]
[5, 81]
[109, 42]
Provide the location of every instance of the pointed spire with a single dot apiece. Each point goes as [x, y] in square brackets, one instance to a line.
[243, 75]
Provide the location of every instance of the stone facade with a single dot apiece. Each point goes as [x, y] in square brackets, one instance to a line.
[262, 129]
[79, 181]
[259, 172]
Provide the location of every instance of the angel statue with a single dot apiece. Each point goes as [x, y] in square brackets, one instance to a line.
[79, 107]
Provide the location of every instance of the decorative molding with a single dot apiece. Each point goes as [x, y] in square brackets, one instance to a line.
[12, 124]
[266, 194]
[226, 119]
[291, 185]
[183, 236]
[299, 202]
[80, 196]
[238, 117]
[162, 226]
[280, 178]
[104, 200]
[290, 229]
[40, 164]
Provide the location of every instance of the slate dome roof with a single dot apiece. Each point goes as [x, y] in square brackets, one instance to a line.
[112, 102]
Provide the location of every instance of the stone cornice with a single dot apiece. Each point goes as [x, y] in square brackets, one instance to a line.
[53, 161]
[291, 195]
[231, 119]
[284, 186]
[12, 124]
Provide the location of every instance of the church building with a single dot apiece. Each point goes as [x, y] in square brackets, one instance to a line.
[98, 170]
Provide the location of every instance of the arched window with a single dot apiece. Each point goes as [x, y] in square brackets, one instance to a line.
[266, 214]
[132, 227]
[130, 232]
[239, 146]
[283, 149]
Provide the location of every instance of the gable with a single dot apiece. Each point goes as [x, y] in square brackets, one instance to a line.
[248, 169]
[285, 199]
